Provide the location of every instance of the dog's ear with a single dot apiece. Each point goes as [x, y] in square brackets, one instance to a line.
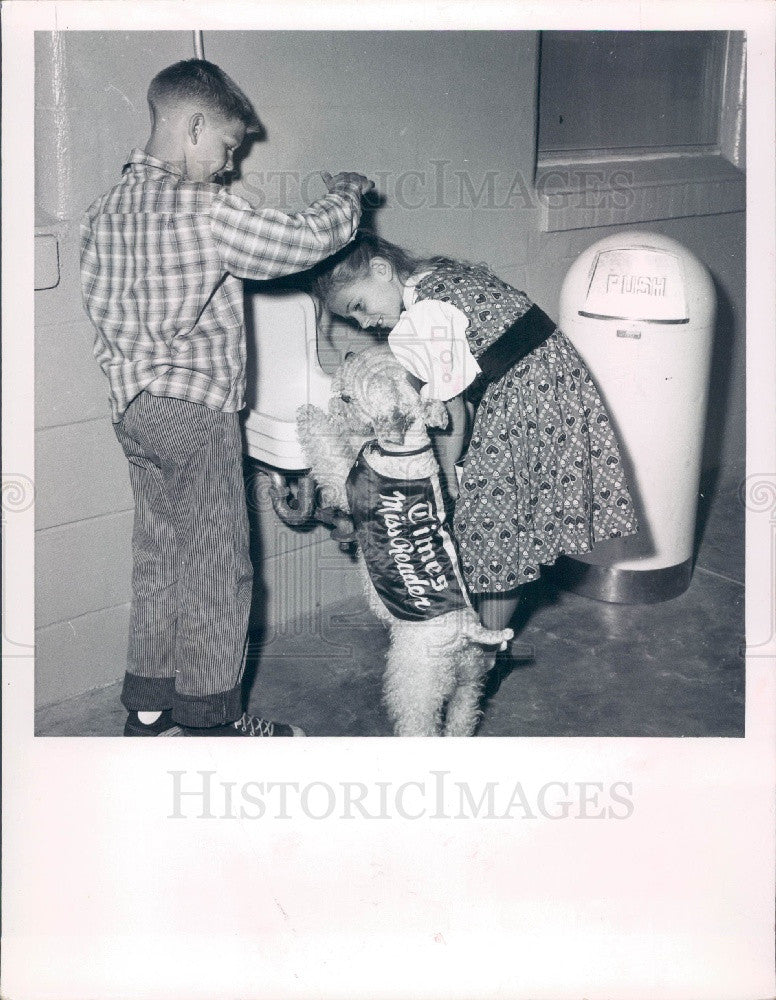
[312, 424]
[435, 413]
[328, 451]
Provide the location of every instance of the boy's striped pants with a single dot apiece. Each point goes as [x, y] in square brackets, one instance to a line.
[192, 575]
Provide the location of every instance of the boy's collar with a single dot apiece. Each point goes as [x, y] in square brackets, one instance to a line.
[139, 157]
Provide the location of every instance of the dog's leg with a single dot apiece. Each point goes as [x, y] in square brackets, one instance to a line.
[463, 709]
[417, 681]
[474, 660]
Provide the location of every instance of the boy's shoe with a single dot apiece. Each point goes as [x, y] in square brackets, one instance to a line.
[246, 725]
[164, 726]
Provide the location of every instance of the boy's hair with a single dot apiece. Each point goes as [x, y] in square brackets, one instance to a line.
[352, 263]
[197, 80]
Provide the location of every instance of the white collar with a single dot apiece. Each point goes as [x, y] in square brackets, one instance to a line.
[410, 285]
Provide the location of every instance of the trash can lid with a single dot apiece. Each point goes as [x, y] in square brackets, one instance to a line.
[642, 284]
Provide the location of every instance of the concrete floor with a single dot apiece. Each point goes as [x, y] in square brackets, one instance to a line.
[668, 669]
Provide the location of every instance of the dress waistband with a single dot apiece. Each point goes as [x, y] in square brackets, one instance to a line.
[523, 336]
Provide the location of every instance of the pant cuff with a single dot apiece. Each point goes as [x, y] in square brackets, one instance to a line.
[207, 709]
[147, 694]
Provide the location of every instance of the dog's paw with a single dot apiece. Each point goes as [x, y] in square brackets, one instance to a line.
[312, 424]
[435, 413]
[489, 637]
[308, 411]
[507, 636]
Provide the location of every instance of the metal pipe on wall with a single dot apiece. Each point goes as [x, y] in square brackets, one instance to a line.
[199, 45]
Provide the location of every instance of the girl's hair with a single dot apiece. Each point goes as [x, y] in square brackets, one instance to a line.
[352, 263]
[200, 80]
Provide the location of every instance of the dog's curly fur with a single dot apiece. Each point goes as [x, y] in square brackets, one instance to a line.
[434, 669]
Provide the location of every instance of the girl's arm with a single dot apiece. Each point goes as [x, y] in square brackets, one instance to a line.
[450, 443]
[430, 341]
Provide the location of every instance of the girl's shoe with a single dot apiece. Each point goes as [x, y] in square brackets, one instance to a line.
[247, 725]
[164, 726]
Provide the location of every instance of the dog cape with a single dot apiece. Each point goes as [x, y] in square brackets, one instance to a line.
[408, 551]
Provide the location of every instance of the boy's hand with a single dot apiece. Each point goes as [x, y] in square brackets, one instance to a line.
[346, 177]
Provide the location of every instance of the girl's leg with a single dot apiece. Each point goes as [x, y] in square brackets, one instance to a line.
[496, 610]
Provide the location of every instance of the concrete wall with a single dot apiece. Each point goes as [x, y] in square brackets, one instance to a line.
[445, 121]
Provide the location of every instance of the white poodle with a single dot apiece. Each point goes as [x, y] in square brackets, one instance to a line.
[371, 456]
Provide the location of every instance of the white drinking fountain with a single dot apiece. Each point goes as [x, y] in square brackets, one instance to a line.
[284, 372]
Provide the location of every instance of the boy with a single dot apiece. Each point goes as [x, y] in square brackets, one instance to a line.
[162, 255]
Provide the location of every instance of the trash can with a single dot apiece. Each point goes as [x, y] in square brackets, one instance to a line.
[639, 308]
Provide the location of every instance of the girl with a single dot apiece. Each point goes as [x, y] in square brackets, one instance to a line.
[542, 475]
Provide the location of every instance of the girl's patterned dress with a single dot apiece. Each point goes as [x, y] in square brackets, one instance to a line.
[542, 475]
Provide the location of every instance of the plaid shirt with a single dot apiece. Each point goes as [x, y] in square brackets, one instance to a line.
[161, 263]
